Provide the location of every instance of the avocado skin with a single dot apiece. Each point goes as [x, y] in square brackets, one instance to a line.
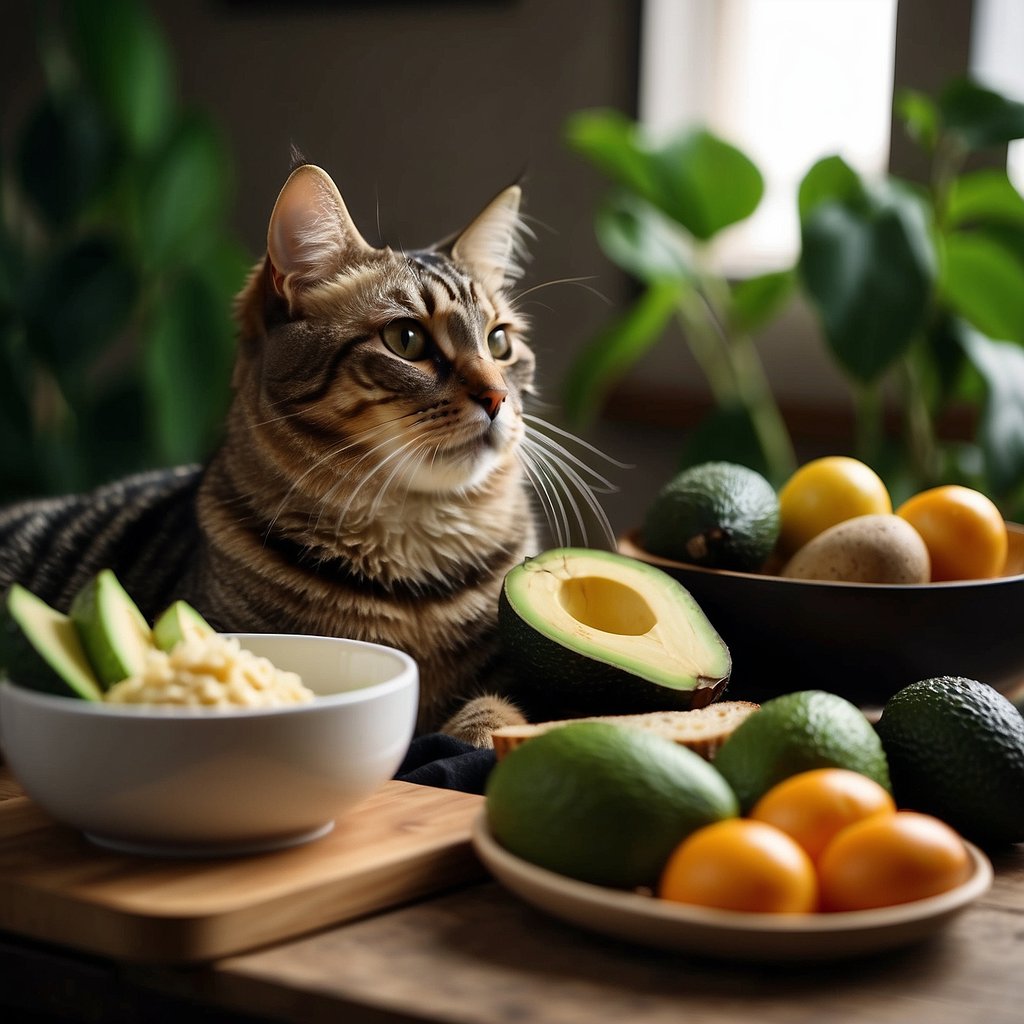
[716, 514]
[559, 682]
[24, 666]
[955, 748]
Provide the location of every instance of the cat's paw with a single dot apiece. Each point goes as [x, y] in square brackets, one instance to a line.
[477, 719]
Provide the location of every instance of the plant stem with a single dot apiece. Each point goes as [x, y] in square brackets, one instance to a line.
[764, 412]
[707, 348]
[923, 447]
[868, 429]
[735, 373]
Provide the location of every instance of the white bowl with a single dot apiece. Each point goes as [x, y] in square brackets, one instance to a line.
[184, 781]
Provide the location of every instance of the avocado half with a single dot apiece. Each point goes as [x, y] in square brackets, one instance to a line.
[594, 632]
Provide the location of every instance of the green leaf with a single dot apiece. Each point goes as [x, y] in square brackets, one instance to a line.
[62, 157]
[184, 198]
[705, 184]
[126, 62]
[611, 142]
[985, 197]
[699, 180]
[940, 363]
[617, 348]
[640, 239]
[1001, 428]
[756, 300]
[80, 305]
[185, 369]
[727, 434]
[920, 117]
[984, 282]
[831, 179]
[980, 117]
[869, 272]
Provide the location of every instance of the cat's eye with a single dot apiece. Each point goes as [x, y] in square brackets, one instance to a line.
[406, 338]
[499, 344]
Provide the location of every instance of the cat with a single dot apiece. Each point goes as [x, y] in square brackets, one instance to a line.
[377, 472]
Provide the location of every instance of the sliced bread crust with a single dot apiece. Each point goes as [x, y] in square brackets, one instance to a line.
[703, 730]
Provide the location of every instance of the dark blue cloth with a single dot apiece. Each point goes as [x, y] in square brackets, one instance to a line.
[446, 763]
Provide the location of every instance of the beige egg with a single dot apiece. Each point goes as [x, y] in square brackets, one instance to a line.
[865, 549]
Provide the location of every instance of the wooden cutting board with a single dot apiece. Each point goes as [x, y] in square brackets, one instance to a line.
[402, 843]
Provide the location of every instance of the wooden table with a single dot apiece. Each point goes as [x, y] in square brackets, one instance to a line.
[477, 954]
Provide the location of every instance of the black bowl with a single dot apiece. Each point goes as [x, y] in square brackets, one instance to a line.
[863, 641]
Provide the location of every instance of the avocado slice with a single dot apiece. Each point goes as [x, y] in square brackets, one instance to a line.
[596, 632]
[177, 623]
[113, 631]
[42, 649]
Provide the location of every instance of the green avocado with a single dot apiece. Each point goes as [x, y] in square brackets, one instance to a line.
[956, 750]
[595, 632]
[717, 514]
[177, 623]
[42, 650]
[113, 631]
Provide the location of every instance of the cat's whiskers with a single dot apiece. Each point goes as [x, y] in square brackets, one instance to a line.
[327, 500]
[581, 281]
[399, 451]
[551, 504]
[558, 475]
[599, 484]
[351, 441]
[542, 426]
[402, 464]
[562, 488]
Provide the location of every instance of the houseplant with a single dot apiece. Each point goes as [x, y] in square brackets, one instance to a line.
[116, 268]
[918, 290]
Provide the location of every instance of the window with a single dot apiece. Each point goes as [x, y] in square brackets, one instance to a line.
[787, 81]
[996, 46]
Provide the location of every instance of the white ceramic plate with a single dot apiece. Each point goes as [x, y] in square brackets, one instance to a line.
[726, 933]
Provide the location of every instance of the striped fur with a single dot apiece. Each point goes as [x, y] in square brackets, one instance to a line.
[357, 492]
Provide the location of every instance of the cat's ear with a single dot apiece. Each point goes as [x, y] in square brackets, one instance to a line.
[491, 247]
[311, 234]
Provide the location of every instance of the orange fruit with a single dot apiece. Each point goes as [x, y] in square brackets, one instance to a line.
[739, 864]
[963, 530]
[814, 806]
[891, 858]
[824, 492]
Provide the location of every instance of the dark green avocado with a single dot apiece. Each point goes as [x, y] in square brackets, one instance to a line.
[717, 514]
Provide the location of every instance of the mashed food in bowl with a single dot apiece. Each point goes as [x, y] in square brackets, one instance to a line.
[211, 671]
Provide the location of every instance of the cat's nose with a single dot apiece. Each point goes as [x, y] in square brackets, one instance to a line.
[491, 398]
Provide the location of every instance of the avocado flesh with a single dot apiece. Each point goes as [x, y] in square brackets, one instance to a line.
[113, 631]
[610, 633]
[44, 651]
[179, 622]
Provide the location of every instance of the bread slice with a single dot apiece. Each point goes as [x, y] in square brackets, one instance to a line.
[703, 730]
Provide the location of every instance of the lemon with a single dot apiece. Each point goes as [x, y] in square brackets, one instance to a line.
[795, 733]
[824, 492]
[602, 804]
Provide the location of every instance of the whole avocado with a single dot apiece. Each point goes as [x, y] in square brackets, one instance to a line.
[956, 750]
[720, 515]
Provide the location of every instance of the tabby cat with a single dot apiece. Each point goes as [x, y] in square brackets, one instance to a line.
[374, 477]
